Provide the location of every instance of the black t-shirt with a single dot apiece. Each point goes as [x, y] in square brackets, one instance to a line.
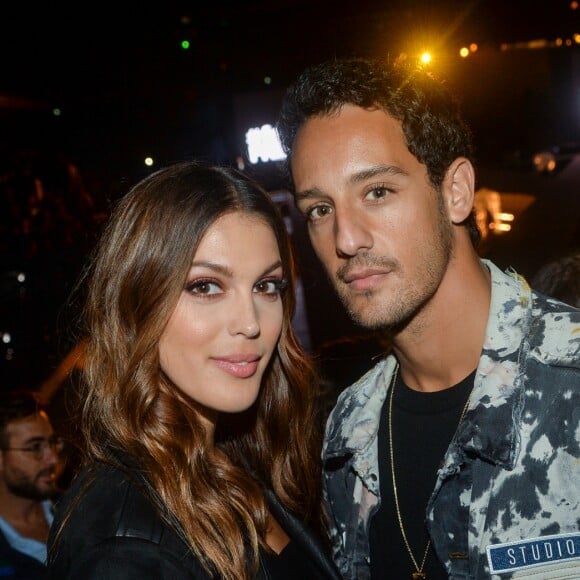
[291, 564]
[423, 426]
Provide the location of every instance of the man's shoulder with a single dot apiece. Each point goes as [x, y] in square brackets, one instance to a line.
[549, 329]
[555, 336]
[17, 564]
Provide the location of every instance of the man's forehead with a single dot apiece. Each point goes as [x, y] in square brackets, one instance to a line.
[354, 143]
[36, 425]
[351, 126]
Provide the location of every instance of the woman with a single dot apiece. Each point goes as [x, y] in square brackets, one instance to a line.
[198, 413]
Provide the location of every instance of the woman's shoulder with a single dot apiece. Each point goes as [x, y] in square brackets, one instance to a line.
[96, 499]
[106, 516]
[97, 504]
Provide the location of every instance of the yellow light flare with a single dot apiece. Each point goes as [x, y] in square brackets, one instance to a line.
[464, 52]
[506, 217]
[426, 58]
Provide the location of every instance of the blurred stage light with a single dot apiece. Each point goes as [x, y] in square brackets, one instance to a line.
[263, 144]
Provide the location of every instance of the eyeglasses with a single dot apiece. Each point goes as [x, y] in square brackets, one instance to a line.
[39, 449]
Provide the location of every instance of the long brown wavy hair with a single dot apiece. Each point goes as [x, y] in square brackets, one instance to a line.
[135, 279]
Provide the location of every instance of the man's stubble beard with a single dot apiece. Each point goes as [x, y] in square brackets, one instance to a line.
[28, 488]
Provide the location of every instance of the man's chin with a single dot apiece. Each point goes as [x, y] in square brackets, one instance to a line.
[366, 315]
[45, 489]
[366, 318]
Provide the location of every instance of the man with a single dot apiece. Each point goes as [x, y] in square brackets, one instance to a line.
[457, 455]
[28, 462]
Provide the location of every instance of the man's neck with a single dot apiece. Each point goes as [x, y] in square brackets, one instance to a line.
[25, 515]
[442, 344]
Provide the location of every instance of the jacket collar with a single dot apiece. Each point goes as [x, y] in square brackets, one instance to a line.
[300, 534]
[490, 425]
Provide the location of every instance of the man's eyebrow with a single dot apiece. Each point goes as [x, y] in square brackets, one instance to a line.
[35, 439]
[307, 193]
[363, 175]
[376, 170]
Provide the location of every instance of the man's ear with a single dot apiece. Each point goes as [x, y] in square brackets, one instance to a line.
[459, 189]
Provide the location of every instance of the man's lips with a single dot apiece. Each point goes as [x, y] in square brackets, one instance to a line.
[240, 366]
[48, 478]
[364, 278]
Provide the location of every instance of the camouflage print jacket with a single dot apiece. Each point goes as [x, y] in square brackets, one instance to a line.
[506, 503]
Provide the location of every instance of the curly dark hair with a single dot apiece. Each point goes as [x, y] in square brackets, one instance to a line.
[429, 112]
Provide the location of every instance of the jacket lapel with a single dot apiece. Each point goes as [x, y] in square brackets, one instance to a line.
[300, 534]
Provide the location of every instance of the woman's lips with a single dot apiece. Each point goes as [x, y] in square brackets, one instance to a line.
[240, 368]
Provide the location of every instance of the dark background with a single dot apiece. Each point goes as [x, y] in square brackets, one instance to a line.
[124, 89]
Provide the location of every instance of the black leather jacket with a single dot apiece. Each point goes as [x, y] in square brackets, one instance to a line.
[115, 533]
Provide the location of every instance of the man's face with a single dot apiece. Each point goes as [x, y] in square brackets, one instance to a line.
[374, 219]
[22, 473]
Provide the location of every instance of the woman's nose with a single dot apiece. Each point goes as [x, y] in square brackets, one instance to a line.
[244, 318]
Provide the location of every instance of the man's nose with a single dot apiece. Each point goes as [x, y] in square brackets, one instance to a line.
[51, 455]
[351, 234]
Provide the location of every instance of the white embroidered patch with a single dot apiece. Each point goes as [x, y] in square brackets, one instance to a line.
[514, 556]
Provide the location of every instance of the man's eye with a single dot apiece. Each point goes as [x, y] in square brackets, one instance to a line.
[36, 447]
[203, 288]
[377, 192]
[318, 212]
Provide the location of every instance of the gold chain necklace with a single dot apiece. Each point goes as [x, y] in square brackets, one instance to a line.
[418, 574]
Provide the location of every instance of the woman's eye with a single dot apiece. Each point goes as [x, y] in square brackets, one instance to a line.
[270, 287]
[203, 288]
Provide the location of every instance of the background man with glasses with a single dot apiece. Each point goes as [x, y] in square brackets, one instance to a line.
[29, 456]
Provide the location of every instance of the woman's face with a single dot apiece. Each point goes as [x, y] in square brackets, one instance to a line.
[225, 327]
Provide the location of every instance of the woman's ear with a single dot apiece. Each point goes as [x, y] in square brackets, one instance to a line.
[459, 189]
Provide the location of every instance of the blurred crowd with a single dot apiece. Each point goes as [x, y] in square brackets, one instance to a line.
[49, 215]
